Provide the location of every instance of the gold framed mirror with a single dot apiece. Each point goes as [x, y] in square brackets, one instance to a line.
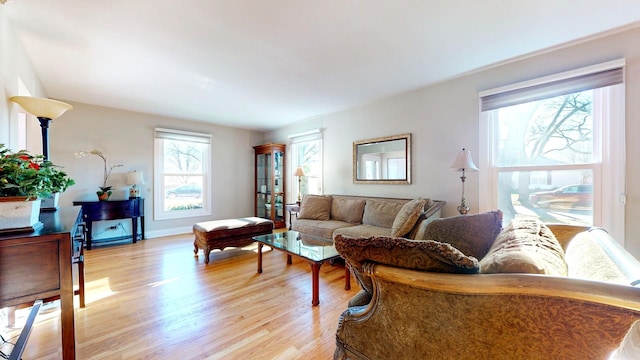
[384, 160]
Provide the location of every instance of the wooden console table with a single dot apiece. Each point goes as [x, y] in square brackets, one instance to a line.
[38, 266]
[113, 210]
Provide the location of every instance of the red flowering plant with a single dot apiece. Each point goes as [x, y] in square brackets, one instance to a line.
[22, 174]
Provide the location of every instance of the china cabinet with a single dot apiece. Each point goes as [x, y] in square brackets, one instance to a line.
[270, 183]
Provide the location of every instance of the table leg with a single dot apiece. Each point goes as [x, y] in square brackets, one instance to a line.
[88, 235]
[289, 262]
[315, 290]
[134, 229]
[347, 279]
[260, 245]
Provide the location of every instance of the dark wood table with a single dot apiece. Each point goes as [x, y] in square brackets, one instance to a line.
[312, 250]
[38, 266]
[113, 210]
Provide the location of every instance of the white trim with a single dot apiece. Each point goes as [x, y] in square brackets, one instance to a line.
[310, 132]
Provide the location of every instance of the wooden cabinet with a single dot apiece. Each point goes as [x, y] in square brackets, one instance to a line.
[270, 184]
[38, 266]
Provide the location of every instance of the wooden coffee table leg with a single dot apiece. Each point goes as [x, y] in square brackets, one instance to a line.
[315, 290]
[260, 245]
[289, 262]
[347, 279]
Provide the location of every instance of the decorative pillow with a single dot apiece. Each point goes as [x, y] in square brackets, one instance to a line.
[407, 217]
[471, 234]
[315, 207]
[381, 213]
[428, 255]
[347, 210]
[526, 245]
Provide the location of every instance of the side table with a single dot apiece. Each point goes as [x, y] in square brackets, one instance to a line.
[292, 209]
[113, 210]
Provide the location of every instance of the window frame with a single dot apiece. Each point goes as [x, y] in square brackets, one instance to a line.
[159, 135]
[609, 199]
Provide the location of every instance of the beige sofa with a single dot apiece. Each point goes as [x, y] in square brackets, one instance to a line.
[557, 292]
[324, 216]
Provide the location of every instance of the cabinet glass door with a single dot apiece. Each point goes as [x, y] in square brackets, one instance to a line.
[263, 192]
[278, 186]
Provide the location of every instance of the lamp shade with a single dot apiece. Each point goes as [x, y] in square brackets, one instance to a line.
[40, 107]
[464, 161]
[299, 171]
[135, 178]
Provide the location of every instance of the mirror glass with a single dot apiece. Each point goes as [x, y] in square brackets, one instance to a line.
[385, 160]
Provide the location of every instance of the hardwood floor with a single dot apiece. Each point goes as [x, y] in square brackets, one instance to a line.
[155, 300]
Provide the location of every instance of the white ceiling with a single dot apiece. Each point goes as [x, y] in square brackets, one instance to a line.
[261, 64]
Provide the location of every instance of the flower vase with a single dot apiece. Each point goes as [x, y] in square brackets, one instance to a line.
[19, 213]
[103, 195]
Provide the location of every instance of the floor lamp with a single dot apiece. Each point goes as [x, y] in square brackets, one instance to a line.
[45, 110]
[463, 162]
[299, 173]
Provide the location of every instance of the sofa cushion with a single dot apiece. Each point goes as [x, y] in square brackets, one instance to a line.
[362, 231]
[381, 212]
[407, 217]
[321, 228]
[428, 255]
[471, 234]
[347, 209]
[315, 207]
[526, 245]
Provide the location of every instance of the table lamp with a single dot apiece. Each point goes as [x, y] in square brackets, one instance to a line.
[134, 178]
[463, 162]
[299, 173]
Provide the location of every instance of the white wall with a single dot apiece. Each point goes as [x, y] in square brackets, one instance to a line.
[15, 66]
[444, 118]
[127, 138]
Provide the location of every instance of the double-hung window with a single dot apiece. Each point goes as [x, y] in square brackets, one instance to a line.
[182, 179]
[554, 148]
[306, 152]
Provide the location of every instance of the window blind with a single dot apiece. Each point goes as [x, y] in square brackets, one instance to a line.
[551, 89]
[180, 135]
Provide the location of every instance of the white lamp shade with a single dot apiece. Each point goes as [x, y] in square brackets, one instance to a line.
[40, 107]
[464, 162]
[299, 171]
[135, 178]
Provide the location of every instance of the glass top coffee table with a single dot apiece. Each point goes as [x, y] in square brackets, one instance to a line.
[311, 249]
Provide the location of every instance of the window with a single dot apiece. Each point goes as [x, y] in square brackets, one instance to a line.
[306, 152]
[554, 148]
[182, 176]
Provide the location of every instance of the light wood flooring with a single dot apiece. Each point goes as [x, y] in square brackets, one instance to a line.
[155, 300]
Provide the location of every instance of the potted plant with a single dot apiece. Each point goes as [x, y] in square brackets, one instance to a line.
[105, 190]
[26, 179]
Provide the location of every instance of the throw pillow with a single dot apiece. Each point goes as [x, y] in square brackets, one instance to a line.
[471, 234]
[526, 245]
[427, 255]
[407, 217]
[347, 210]
[315, 207]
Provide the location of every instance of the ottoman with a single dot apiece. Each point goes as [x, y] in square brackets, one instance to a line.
[219, 234]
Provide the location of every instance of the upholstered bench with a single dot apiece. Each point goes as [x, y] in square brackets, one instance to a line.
[219, 234]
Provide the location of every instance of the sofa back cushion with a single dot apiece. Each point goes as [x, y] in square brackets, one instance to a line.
[526, 245]
[347, 209]
[315, 207]
[471, 234]
[381, 212]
